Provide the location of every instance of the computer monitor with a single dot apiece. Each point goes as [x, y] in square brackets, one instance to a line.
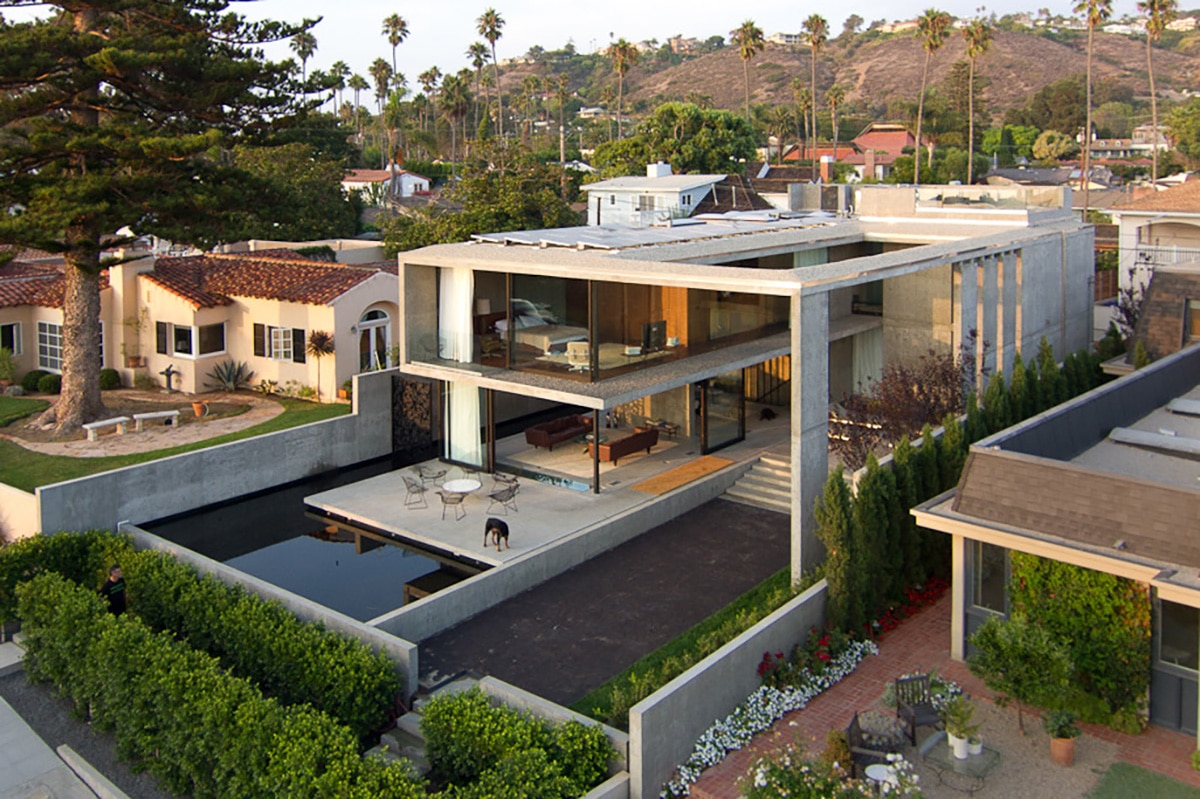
[654, 336]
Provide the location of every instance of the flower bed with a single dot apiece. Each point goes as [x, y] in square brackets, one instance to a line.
[762, 709]
[916, 598]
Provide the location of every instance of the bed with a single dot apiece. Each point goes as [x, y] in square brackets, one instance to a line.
[549, 338]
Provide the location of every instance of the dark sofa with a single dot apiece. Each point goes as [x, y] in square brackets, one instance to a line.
[556, 431]
[641, 438]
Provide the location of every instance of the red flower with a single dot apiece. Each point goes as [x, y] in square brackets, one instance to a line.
[823, 656]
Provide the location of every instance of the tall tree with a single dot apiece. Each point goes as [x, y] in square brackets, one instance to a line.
[1159, 14]
[780, 121]
[357, 83]
[802, 96]
[478, 54]
[835, 95]
[816, 31]
[381, 73]
[429, 82]
[304, 45]
[337, 76]
[623, 56]
[562, 93]
[108, 111]
[488, 25]
[456, 101]
[395, 28]
[979, 37]
[1094, 12]
[931, 29]
[749, 40]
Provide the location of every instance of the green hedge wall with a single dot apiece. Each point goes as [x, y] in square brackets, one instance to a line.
[179, 714]
[81, 557]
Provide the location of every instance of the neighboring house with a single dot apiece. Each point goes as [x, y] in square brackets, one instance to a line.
[376, 184]
[1107, 482]
[1157, 228]
[643, 200]
[684, 323]
[886, 137]
[1170, 313]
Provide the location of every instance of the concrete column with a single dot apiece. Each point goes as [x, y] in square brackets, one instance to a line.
[1019, 303]
[989, 299]
[966, 281]
[1008, 283]
[959, 588]
[810, 423]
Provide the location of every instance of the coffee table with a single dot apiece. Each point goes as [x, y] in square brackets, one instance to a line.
[464, 485]
[973, 771]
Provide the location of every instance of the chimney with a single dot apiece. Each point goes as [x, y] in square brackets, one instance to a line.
[869, 165]
[658, 170]
[827, 169]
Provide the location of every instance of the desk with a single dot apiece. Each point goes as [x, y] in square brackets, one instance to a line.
[464, 485]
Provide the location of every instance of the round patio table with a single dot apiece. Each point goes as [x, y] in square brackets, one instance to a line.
[463, 485]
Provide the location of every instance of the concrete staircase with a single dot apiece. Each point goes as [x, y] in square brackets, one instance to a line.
[768, 484]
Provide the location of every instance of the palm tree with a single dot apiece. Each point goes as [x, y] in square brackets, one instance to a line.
[931, 28]
[1095, 12]
[357, 83]
[835, 95]
[489, 25]
[803, 98]
[606, 98]
[395, 28]
[531, 86]
[561, 86]
[780, 121]
[1159, 14]
[337, 75]
[304, 44]
[320, 344]
[382, 73]
[817, 33]
[979, 37]
[456, 102]
[623, 56]
[429, 82]
[749, 40]
[478, 53]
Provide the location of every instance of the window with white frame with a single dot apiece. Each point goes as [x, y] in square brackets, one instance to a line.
[10, 337]
[50, 346]
[279, 343]
[211, 339]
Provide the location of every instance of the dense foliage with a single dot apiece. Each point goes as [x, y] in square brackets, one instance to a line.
[688, 137]
[1021, 662]
[177, 713]
[305, 190]
[481, 750]
[83, 558]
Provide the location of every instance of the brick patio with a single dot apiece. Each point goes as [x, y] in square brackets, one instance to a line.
[921, 643]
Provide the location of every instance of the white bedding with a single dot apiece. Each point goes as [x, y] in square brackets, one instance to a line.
[547, 337]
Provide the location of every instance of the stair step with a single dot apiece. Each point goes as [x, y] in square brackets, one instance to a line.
[409, 724]
[766, 490]
[778, 507]
[779, 500]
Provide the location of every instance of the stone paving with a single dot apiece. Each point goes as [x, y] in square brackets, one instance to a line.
[922, 643]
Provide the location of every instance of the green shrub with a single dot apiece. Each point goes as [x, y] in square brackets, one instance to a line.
[293, 661]
[144, 382]
[1128, 720]
[109, 379]
[8, 365]
[83, 558]
[29, 381]
[50, 384]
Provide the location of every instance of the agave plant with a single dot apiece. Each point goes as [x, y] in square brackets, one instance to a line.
[229, 376]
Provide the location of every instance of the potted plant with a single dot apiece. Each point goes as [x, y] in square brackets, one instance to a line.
[974, 745]
[347, 389]
[1062, 728]
[957, 714]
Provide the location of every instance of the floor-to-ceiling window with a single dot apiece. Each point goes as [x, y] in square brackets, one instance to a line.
[722, 411]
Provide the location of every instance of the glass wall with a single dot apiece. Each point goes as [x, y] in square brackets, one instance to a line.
[1178, 635]
[989, 576]
[723, 411]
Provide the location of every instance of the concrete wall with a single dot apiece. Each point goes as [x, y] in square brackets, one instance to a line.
[917, 314]
[402, 653]
[663, 727]
[184, 482]
[456, 604]
[18, 514]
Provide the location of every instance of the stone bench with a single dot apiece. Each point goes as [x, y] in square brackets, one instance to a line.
[139, 418]
[93, 428]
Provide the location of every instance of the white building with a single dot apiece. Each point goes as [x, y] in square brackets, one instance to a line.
[642, 200]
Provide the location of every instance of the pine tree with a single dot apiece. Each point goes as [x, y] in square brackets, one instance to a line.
[835, 522]
[110, 110]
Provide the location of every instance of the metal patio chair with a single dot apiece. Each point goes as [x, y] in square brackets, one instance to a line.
[430, 473]
[502, 480]
[415, 496]
[454, 500]
[506, 498]
[914, 705]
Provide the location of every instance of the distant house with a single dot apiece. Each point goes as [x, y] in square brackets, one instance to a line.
[886, 137]
[1157, 229]
[641, 200]
[378, 183]
[1170, 314]
[786, 38]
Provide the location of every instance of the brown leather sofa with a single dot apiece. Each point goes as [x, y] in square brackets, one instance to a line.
[556, 431]
[641, 438]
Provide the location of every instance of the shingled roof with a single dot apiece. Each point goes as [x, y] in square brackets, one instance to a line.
[1184, 198]
[731, 194]
[208, 281]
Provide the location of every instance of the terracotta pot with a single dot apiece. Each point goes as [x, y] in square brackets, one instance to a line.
[200, 409]
[1062, 751]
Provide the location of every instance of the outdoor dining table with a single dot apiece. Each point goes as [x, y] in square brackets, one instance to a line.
[463, 485]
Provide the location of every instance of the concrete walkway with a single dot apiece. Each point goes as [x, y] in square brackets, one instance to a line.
[922, 643]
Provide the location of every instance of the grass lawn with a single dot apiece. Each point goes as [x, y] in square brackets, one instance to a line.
[27, 470]
[1123, 780]
[14, 408]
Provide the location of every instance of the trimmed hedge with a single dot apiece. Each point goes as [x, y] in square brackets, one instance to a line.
[29, 381]
[179, 714]
[109, 379]
[484, 751]
[50, 384]
[294, 661]
[83, 558]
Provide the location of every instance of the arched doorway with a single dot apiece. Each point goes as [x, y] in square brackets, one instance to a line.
[374, 333]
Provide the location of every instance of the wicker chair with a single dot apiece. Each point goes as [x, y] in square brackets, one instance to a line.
[914, 705]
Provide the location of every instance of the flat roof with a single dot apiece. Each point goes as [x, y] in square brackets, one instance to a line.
[645, 183]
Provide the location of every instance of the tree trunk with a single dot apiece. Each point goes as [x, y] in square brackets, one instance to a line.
[1085, 173]
[1153, 115]
[971, 124]
[814, 113]
[80, 400]
[920, 114]
[620, 94]
[746, 81]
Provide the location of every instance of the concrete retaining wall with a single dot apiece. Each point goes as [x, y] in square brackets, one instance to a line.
[401, 652]
[19, 514]
[184, 482]
[454, 605]
[663, 727]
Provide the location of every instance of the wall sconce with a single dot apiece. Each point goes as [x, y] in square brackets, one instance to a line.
[353, 328]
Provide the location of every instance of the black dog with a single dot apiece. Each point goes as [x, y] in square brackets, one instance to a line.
[497, 530]
[766, 414]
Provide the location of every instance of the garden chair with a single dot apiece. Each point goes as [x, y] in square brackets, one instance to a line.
[863, 753]
[914, 705]
[451, 499]
[431, 474]
[415, 498]
[502, 480]
[505, 497]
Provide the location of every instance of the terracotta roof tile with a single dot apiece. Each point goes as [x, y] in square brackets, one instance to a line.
[30, 283]
[1184, 198]
[208, 281]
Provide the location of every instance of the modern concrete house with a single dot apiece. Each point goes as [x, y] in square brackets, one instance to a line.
[679, 326]
[1107, 482]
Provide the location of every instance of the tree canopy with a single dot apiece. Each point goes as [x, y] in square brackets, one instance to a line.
[692, 139]
[110, 111]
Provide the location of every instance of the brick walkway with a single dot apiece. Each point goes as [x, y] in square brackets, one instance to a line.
[921, 643]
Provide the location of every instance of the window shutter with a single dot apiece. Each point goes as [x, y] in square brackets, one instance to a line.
[260, 340]
[297, 345]
[160, 338]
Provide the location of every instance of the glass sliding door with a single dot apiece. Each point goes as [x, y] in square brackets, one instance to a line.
[722, 411]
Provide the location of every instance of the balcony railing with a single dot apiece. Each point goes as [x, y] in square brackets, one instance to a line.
[1165, 256]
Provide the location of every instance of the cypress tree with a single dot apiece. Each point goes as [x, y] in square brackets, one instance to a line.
[1019, 404]
[835, 523]
[1050, 379]
[954, 450]
[903, 459]
[995, 403]
[976, 427]
[927, 465]
[871, 522]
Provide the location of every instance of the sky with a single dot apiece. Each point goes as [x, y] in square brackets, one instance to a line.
[441, 30]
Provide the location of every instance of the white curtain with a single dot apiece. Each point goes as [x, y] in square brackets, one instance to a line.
[868, 358]
[463, 443]
[454, 314]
